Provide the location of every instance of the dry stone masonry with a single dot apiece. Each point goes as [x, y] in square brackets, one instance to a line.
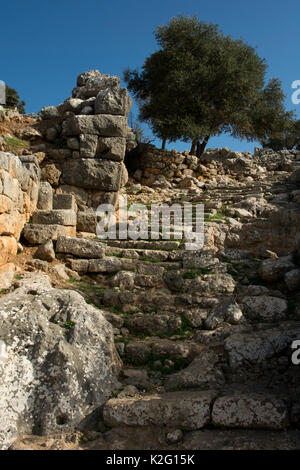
[19, 179]
[85, 140]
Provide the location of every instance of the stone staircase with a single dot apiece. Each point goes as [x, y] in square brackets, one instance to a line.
[194, 356]
[205, 341]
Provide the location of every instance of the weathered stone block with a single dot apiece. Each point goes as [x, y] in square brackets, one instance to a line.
[113, 101]
[45, 196]
[12, 223]
[105, 125]
[64, 201]
[81, 247]
[8, 249]
[112, 148]
[88, 173]
[88, 145]
[58, 216]
[37, 234]
[86, 221]
[187, 410]
[106, 265]
[250, 411]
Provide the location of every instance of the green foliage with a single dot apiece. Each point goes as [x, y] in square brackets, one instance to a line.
[288, 138]
[13, 100]
[201, 83]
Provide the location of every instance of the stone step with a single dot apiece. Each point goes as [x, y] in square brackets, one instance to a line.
[81, 247]
[186, 410]
[192, 410]
[146, 255]
[66, 217]
[144, 244]
[149, 350]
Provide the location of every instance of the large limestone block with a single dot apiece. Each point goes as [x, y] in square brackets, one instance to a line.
[103, 175]
[91, 82]
[8, 249]
[113, 101]
[65, 217]
[187, 410]
[57, 362]
[64, 201]
[88, 145]
[10, 185]
[106, 265]
[250, 411]
[105, 125]
[12, 223]
[45, 196]
[112, 148]
[80, 247]
[86, 221]
[36, 234]
[6, 204]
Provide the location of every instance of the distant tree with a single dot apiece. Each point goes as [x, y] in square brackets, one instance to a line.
[287, 139]
[13, 100]
[201, 83]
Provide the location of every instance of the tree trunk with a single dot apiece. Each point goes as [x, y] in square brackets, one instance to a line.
[163, 143]
[201, 147]
[193, 147]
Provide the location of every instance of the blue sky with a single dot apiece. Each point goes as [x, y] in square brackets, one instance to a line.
[46, 44]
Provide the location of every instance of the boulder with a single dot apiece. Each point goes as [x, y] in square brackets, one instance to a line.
[292, 279]
[264, 308]
[57, 363]
[228, 311]
[257, 347]
[272, 270]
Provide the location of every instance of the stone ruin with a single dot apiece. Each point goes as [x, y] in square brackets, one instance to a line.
[84, 140]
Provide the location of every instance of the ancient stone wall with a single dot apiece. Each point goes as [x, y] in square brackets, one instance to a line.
[19, 178]
[147, 163]
[85, 139]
